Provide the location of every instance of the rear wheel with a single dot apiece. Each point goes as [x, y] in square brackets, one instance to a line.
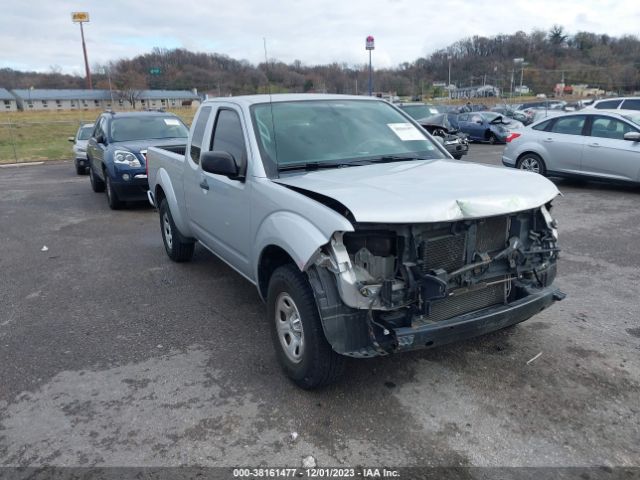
[81, 170]
[178, 248]
[301, 346]
[492, 139]
[112, 196]
[97, 185]
[532, 162]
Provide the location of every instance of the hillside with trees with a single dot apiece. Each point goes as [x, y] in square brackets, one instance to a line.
[607, 62]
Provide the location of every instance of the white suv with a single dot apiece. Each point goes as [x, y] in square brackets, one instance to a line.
[620, 104]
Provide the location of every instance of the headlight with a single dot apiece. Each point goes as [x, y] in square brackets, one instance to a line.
[123, 157]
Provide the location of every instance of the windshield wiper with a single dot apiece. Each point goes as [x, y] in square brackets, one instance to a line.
[394, 158]
[311, 166]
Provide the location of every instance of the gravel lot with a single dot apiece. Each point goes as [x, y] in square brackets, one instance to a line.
[112, 355]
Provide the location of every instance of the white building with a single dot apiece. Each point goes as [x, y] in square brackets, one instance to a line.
[8, 102]
[76, 99]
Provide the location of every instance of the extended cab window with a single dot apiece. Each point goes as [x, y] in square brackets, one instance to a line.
[228, 137]
[198, 134]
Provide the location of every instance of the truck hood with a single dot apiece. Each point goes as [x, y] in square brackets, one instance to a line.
[426, 190]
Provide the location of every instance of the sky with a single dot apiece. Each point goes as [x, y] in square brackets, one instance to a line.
[39, 34]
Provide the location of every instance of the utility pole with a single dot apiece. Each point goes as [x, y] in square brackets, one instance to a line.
[370, 46]
[449, 81]
[82, 17]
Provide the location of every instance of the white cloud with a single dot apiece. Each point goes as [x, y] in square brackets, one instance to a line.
[313, 32]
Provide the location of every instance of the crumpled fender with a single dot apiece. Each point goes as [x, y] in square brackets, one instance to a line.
[292, 232]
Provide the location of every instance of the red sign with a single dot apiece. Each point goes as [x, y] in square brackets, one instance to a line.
[370, 43]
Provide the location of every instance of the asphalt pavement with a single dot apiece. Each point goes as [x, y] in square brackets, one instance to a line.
[112, 355]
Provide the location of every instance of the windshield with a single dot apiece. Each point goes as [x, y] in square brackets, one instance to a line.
[419, 111]
[339, 132]
[85, 132]
[634, 117]
[147, 127]
[491, 116]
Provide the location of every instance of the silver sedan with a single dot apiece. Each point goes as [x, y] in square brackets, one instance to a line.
[598, 145]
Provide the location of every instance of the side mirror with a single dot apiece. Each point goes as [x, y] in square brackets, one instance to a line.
[479, 122]
[632, 136]
[100, 139]
[220, 163]
[71, 139]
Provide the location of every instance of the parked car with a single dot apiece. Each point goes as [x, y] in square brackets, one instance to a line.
[79, 147]
[620, 105]
[488, 127]
[514, 114]
[418, 110]
[359, 233]
[117, 149]
[589, 144]
[454, 141]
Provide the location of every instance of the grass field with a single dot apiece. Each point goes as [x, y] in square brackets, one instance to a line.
[32, 136]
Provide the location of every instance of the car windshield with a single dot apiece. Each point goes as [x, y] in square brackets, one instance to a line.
[85, 132]
[419, 111]
[491, 116]
[147, 127]
[634, 117]
[327, 133]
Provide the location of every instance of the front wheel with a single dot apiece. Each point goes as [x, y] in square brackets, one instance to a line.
[97, 185]
[532, 162]
[112, 196]
[298, 337]
[178, 248]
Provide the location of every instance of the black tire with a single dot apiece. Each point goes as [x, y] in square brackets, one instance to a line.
[81, 170]
[457, 157]
[492, 139]
[318, 365]
[112, 196]
[178, 247]
[97, 185]
[532, 162]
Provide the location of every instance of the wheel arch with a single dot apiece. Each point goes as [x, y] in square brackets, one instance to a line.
[271, 257]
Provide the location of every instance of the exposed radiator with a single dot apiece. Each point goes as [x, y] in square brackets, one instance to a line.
[455, 305]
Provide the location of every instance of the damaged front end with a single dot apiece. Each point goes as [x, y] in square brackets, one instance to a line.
[390, 287]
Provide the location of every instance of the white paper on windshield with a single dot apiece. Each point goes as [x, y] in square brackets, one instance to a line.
[171, 121]
[406, 131]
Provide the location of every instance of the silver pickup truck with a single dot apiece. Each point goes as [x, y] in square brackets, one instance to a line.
[360, 232]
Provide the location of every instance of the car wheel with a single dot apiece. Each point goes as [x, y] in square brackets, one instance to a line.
[80, 170]
[492, 139]
[298, 337]
[178, 248]
[112, 196]
[97, 185]
[458, 157]
[532, 162]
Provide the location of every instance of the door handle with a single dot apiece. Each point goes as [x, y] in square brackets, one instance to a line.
[548, 139]
[593, 144]
[203, 184]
